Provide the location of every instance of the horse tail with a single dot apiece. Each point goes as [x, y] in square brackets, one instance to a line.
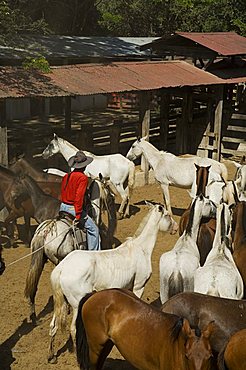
[221, 360]
[38, 260]
[177, 328]
[60, 303]
[131, 176]
[175, 284]
[82, 348]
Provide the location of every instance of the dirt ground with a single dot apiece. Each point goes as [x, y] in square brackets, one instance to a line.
[23, 346]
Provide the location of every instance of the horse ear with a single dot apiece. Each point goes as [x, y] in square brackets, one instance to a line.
[149, 204]
[55, 137]
[197, 167]
[242, 160]
[186, 329]
[208, 330]
[139, 139]
[100, 176]
[238, 165]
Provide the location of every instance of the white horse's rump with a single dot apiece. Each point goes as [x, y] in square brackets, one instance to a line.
[177, 266]
[128, 266]
[116, 167]
[219, 275]
[172, 170]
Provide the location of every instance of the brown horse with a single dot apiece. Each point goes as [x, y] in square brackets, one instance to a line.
[49, 183]
[146, 337]
[239, 238]
[233, 357]
[2, 264]
[18, 207]
[200, 309]
[207, 227]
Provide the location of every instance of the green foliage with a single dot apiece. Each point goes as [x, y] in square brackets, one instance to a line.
[40, 64]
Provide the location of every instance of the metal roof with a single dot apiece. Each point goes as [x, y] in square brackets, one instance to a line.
[88, 79]
[223, 43]
[181, 43]
[55, 46]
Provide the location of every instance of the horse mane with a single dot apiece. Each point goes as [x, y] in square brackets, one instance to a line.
[7, 171]
[176, 328]
[82, 349]
[191, 217]
[141, 225]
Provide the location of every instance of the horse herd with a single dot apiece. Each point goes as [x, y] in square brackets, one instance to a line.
[202, 322]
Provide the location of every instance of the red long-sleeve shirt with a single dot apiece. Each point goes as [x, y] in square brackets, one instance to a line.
[73, 191]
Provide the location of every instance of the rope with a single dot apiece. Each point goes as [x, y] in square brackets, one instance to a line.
[37, 250]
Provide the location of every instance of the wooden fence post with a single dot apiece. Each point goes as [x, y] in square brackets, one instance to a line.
[115, 131]
[164, 119]
[218, 122]
[144, 119]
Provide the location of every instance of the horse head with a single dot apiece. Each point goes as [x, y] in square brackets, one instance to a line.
[52, 148]
[198, 351]
[166, 222]
[135, 151]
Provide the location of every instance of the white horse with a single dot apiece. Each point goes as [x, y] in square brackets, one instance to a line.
[172, 170]
[240, 178]
[54, 238]
[128, 266]
[219, 275]
[116, 167]
[177, 266]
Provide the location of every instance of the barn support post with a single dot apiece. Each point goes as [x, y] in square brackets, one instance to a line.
[115, 136]
[3, 146]
[3, 134]
[164, 121]
[182, 129]
[68, 120]
[218, 122]
[144, 120]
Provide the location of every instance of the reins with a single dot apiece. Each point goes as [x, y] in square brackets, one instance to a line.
[31, 253]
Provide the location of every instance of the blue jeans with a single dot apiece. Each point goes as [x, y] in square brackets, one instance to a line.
[92, 231]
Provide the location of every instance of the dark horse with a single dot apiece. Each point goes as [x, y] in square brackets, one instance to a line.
[49, 183]
[17, 207]
[148, 338]
[2, 264]
[207, 226]
[229, 315]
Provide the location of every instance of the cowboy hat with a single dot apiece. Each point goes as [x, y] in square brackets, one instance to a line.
[79, 160]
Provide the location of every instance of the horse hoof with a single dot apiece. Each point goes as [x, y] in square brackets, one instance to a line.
[33, 319]
[52, 360]
[119, 216]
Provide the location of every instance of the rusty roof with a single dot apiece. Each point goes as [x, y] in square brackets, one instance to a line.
[88, 79]
[223, 43]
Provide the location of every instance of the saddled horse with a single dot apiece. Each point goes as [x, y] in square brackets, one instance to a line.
[116, 167]
[233, 357]
[200, 309]
[148, 338]
[239, 239]
[2, 264]
[127, 266]
[49, 183]
[172, 170]
[54, 238]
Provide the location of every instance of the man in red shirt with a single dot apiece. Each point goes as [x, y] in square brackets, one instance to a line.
[73, 188]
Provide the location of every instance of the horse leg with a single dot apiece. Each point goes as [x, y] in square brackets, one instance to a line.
[52, 358]
[124, 196]
[73, 328]
[167, 202]
[28, 235]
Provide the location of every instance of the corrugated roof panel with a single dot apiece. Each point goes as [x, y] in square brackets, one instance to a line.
[224, 43]
[88, 79]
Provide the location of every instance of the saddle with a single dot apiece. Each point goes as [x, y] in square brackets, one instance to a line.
[78, 234]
